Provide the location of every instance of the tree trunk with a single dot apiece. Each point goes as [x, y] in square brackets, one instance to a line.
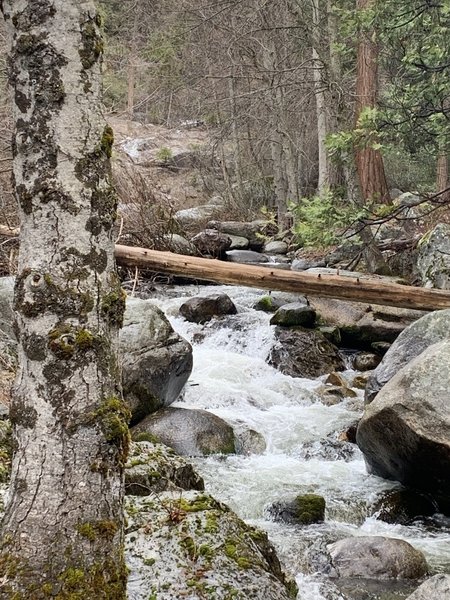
[131, 71]
[62, 534]
[355, 287]
[321, 107]
[369, 162]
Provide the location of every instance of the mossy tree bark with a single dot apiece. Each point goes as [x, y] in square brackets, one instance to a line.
[62, 534]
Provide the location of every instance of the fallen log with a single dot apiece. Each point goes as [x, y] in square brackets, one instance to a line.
[358, 289]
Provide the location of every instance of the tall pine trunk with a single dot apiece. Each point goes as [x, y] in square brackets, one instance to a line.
[62, 534]
[369, 162]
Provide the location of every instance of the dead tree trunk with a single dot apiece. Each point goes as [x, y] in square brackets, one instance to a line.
[62, 534]
[358, 289]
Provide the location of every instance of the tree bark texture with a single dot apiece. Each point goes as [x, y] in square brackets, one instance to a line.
[321, 106]
[62, 534]
[369, 162]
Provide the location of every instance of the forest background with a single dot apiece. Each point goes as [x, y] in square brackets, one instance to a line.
[313, 108]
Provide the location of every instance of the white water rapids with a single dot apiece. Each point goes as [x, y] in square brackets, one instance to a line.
[231, 379]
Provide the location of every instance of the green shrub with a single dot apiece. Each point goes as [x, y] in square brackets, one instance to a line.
[320, 221]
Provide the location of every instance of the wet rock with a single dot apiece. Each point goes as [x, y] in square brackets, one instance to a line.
[294, 314]
[203, 309]
[154, 468]
[246, 257]
[434, 588]
[249, 441]
[275, 247]
[195, 547]
[156, 361]
[365, 361]
[305, 509]
[301, 352]
[360, 381]
[211, 243]
[405, 432]
[335, 446]
[433, 261]
[418, 336]
[336, 379]
[350, 434]
[333, 394]
[403, 506]
[376, 557]
[189, 432]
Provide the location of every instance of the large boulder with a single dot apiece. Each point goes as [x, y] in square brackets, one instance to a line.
[153, 468]
[194, 547]
[361, 325]
[434, 588]
[189, 432]
[433, 261]
[202, 309]
[424, 332]
[405, 432]
[156, 361]
[376, 557]
[300, 352]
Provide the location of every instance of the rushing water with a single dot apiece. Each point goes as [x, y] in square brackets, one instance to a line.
[232, 380]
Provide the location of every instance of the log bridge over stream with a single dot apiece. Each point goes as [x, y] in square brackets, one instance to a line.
[368, 289]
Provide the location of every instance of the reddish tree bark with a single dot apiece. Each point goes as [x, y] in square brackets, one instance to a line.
[369, 162]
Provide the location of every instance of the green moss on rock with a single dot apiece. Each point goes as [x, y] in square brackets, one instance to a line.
[310, 508]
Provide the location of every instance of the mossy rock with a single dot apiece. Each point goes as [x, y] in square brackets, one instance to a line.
[153, 468]
[193, 546]
[310, 509]
[295, 314]
[304, 509]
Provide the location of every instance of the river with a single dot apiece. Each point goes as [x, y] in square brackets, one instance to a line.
[231, 379]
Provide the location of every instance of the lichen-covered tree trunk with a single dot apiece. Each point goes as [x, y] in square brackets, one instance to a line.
[62, 534]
